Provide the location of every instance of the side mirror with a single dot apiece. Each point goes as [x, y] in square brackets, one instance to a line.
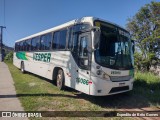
[97, 34]
[133, 45]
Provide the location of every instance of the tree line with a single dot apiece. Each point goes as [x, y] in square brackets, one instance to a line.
[144, 27]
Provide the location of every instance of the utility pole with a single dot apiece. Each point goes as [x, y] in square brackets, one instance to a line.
[1, 43]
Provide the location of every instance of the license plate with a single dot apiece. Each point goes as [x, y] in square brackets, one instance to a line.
[121, 84]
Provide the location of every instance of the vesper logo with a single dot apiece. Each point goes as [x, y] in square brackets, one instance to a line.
[45, 57]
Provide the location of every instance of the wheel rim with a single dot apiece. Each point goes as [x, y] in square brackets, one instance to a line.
[59, 80]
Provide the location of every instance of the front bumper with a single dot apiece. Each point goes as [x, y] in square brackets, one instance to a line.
[100, 87]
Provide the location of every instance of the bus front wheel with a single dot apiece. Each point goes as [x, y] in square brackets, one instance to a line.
[60, 79]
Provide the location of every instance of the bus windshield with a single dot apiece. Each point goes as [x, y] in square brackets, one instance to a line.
[114, 48]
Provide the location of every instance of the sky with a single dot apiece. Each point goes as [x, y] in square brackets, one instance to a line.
[26, 17]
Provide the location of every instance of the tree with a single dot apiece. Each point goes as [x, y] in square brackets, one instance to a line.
[145, 30]
[9, 56]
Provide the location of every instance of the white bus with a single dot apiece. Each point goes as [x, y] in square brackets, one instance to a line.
[90, 55]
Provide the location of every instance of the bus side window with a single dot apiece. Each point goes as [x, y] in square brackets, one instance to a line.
[55, 40]
[70, 35]
[17, 46]
[75, 39]
[59, 39]
[38, 44]
[46, 41]
[28, 45]
[62, 39]
[21, 46]
[35, 44]
[24, 46]
[74, 43]
[43, 41]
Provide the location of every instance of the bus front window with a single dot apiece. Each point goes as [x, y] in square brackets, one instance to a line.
[114, 48]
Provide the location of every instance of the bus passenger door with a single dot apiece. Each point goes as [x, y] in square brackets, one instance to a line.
[84, 62]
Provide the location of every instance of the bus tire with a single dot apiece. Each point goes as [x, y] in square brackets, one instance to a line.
[60, 80]
[22, 67]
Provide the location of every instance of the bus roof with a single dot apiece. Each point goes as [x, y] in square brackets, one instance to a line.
[76, 21]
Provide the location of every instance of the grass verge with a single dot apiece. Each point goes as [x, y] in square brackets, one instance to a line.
[148, 85]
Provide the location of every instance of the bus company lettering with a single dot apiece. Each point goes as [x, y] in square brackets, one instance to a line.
[115, 72]
[45, 57]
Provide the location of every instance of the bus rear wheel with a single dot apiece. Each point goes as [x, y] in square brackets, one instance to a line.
[60, 79]
[22, 67]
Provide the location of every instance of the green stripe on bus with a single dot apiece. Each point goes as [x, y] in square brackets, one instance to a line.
[21, 55]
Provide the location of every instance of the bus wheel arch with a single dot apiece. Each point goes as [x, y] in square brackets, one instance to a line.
[59, 78]
[22, 67]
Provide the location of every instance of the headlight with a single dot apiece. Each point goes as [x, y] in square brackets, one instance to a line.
[105, 76]
[100, 73]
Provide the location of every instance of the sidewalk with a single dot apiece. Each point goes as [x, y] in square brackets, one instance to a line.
[8, 99]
